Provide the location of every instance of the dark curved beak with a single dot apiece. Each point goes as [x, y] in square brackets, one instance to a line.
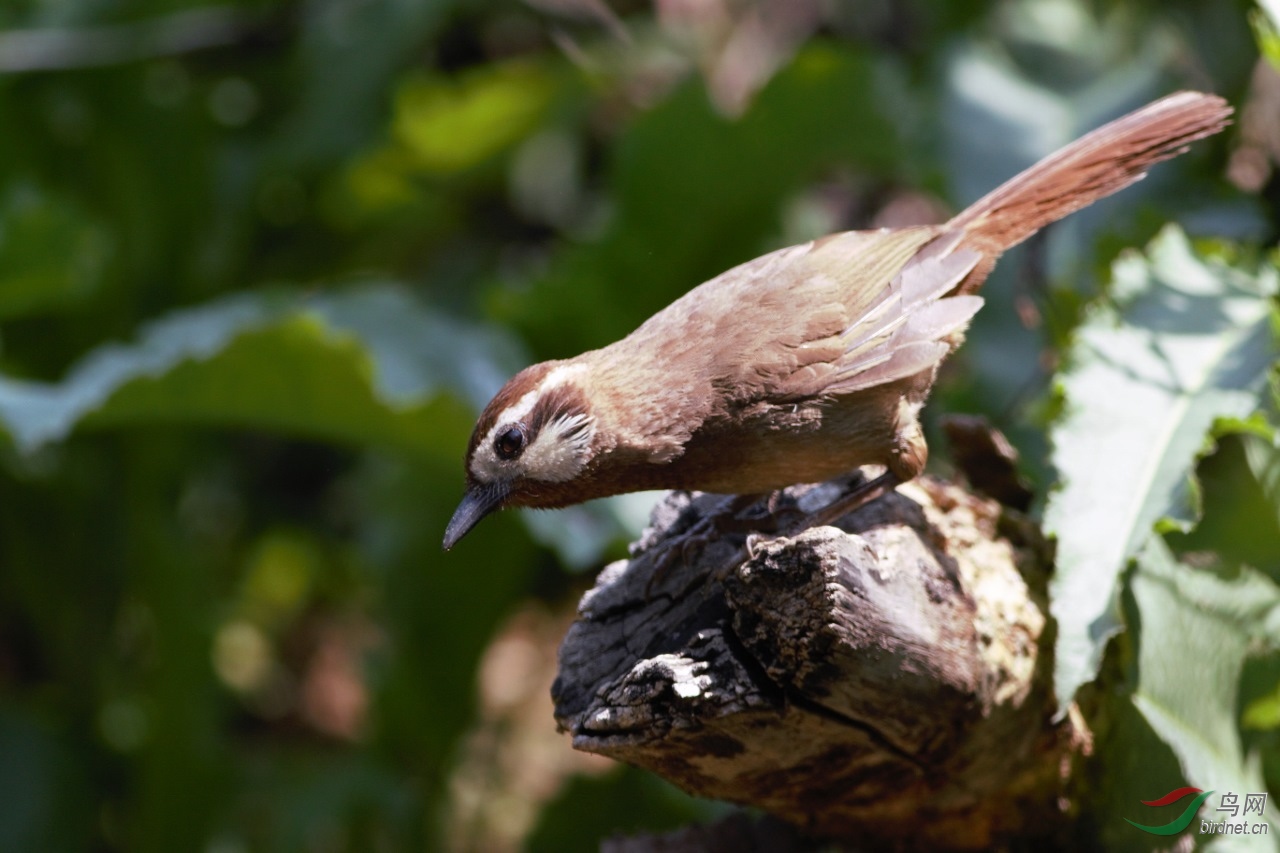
[478, 502]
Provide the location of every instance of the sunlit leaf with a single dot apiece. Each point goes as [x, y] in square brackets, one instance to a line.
[1190, 342]
[1195, 629]
[1265, 20]
[451, 125]
[364, 367]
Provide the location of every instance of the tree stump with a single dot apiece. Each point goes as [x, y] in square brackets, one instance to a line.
[886, 682]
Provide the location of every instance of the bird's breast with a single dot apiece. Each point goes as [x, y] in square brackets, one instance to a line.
[769, 446]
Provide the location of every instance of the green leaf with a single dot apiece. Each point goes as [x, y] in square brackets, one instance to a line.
[695, 193]
[1189, 343]
[1263, 458]
[369, 366]
[627, 801]
[1240, 523]
[1263, 712]
[365, 367]
[1265, 20]
[1194, 630]
[50, 254]
[349, 54]
[44, 787]
[454, 125]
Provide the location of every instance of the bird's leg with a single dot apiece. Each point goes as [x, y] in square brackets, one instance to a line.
[845, 504]
[773, 519]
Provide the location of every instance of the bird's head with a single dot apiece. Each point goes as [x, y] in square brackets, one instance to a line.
[532, 442]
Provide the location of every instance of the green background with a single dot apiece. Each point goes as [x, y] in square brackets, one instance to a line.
[262, 262]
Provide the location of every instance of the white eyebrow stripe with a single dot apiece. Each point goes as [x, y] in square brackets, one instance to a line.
[515, 412]
[521, 408]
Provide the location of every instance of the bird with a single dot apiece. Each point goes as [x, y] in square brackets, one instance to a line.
[798, 366]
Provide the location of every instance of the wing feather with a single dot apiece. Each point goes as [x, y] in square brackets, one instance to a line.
[849, 311]
[905, 330]
[904, 361]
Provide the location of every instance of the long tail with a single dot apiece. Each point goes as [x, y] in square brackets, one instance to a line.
[1093, 167]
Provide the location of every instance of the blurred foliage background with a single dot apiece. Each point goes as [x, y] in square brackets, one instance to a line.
[262, 261]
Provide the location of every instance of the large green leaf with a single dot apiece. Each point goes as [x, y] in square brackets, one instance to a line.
[1189, 342]
[1195, 629]
[365, 367]
[369, 366]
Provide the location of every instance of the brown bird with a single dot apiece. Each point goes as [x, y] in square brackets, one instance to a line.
[800, 365]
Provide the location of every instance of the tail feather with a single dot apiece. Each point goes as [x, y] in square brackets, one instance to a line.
[1094, 166]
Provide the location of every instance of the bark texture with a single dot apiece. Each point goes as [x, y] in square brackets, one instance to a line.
[886, 682]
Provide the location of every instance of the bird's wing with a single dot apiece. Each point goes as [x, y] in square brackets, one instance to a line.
[854, 310]
[849, 311]
[910, 324]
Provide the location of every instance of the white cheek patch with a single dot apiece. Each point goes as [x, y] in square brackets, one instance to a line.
[559, 452]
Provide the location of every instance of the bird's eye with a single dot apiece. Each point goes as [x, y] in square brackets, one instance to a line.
[510, 442]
